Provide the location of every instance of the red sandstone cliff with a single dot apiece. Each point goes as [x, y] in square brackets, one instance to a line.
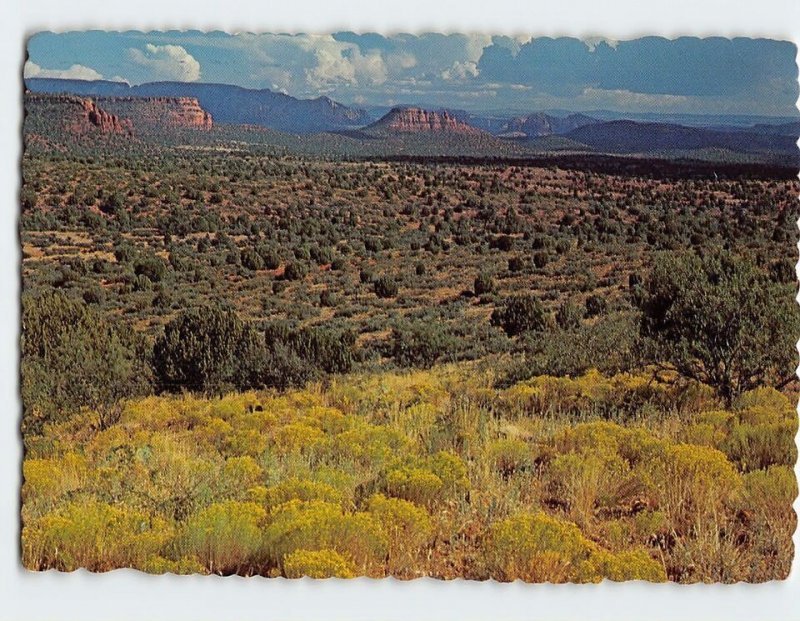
[159, 113]
[76, 115]
[105, 121]
[417, 120]
[113, 115]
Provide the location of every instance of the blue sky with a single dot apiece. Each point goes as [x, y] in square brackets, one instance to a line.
[474, 72]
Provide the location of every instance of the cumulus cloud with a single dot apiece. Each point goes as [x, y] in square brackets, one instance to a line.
[75, 72]
[339, 62]
[308, 63]
[167, 62]
[461, 71]
[651, 73]
[474, 45]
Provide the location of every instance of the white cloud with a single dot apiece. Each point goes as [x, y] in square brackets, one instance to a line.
[461, 71]
[629, 100]
[167, 62]
[75, 72]
[400, 61]
[309, 63]
[475, 44]
[339, 62]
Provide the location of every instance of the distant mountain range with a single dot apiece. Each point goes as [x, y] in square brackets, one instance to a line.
[407, 129]
[225, 103]
[541, 124]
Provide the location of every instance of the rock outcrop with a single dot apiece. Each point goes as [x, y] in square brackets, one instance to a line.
[73, 115]
[77, 116]
[417, 120]
[103, 120]
[159, 113]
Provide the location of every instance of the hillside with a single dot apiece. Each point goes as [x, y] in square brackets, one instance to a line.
[632, 137]
[226, 103]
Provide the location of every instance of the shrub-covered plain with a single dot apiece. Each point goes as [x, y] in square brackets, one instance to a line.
[241, 359]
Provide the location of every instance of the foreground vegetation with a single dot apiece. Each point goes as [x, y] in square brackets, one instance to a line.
[243, 361]
[425, 473]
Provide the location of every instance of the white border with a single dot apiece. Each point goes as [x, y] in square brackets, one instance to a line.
[123, 595]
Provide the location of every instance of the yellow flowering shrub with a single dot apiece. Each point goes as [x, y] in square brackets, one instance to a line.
[759, 433]
[520, 399]
[349, 479]
[414, 484]
[387, 392]
[319, 525]
[245, 442]
[225, 537]
[451, 469]
[771, 492]
[238, 475]
[301, 489]
[509, 455]
[586, 482]
[768, 398]
[416, 423]
[317, 564]
[229, 406]
[705, 434]
[367, 445]
[607, 440]
[184, 566]
[407, 527]
[330, 420]
[297, 437]
[104, 443]
[214, 432]
[692, 483]
[536, 547]
[634, 564]
[648, 525]
[718, 419]
[256, 494]
[93, 535]
[180, 481]
[758, 446]
[427, 480]
[45, 480]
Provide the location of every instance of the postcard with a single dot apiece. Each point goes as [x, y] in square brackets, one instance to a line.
[451, 306]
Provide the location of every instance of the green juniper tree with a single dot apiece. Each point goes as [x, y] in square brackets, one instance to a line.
[720, 320]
